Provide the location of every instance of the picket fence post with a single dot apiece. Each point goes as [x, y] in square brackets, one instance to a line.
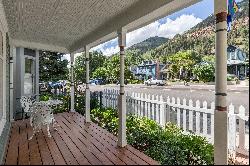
[153, 108]
[133, 103]
[212, 120]
[197, 117]
[162, 112]
[190, 115]
[231, 132]
[157, 112]
[184, 115]
[168, 110]
[242, 130]
[204, 106]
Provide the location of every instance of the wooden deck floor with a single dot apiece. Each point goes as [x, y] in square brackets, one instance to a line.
[74, 143]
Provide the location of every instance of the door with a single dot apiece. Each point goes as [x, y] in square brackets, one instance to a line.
[29, 82]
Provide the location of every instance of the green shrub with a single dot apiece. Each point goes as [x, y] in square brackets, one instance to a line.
[79, 102]
[59, 108]
[106, 118]
[132, 81]
[167, 145]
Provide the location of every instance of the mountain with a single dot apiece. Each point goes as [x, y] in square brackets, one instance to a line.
[148, 44]
[201, 38]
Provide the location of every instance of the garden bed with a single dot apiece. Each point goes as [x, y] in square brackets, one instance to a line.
[166, 145]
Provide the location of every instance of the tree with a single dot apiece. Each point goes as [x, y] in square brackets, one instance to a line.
[52, 67]
[206, 69]
[97, 59]
[101, 72]
[205, 72]
[182, 61]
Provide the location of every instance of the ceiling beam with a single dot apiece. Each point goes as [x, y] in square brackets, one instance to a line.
[39, 46]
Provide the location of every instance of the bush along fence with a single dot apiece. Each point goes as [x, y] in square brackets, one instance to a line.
[197, 119]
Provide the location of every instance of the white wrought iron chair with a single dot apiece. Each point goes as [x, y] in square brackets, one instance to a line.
[42, 115]
[26, 103]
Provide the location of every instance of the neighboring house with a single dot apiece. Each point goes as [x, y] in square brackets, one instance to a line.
[236, 61]
[165, 71]
[148, 69]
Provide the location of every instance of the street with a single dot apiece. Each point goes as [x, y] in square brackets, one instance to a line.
[237, 95]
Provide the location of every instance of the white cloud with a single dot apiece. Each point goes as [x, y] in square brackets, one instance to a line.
[168, 29]
[67, 57]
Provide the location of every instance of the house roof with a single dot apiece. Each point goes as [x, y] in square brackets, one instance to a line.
[68, 25]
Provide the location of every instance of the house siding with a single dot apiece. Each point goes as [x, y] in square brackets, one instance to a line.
[4, 85]
[7, 78]
[3, 141]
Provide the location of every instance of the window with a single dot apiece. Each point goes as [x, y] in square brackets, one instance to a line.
[240, 55]
[28, 65]
[233, 55]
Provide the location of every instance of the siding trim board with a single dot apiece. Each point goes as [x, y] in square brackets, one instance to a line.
[4, 139]
[4, 92]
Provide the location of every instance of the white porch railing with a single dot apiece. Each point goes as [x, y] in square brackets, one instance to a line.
[195, 118]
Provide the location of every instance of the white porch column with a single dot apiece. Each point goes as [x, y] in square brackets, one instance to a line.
[12, 103]
[72, 88]
[87, 92]
[220, 116]
[122, 98]
[37, 75]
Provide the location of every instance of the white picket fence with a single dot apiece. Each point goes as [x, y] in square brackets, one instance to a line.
[195, 118]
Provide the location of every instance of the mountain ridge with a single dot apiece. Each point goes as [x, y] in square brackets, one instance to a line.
[200, 38]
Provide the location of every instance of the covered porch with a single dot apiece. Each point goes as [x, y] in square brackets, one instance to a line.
[75, 142]
[71, 27]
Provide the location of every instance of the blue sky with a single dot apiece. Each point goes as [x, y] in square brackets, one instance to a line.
[173, 24]
[169, 26]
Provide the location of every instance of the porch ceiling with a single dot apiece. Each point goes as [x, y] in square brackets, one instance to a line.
[68, 25]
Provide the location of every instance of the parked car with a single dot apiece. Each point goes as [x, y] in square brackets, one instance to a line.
[97, 82]
[157, 82]
[55, 84]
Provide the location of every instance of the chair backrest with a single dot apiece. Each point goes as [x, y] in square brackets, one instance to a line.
[42, 114]
[26, 103]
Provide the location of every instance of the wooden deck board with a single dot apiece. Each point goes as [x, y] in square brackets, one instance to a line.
[82, 144]
[75, 142]
[23, 157]
[12, 151]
